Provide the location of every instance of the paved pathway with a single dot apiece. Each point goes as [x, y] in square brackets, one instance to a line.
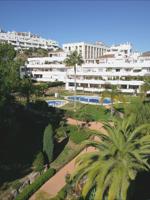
[57, 182]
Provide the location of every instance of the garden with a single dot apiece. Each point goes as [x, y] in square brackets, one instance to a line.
[87, 112]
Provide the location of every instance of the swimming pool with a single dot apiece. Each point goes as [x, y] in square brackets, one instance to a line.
[56, 103]
[89, 99]
[84, 99]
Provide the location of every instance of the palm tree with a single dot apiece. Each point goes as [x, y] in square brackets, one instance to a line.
[114, 94]
[120, 155]
[26, 88]
[72, 60]
[145, 87]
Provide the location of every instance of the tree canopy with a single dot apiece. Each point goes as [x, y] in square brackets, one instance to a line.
[73, 59]
[120, 155]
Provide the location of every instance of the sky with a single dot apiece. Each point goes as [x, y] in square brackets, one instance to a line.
[111, 22]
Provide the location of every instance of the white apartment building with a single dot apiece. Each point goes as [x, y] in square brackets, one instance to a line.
[126, 72]
[121, 50]
[99, 77]
[24, 40]
[89, 52]
[145, 56]
[46, 69]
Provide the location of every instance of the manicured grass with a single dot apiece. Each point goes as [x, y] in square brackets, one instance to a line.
[78, 135]
[87, 112]
[68, 153]
[42, 195]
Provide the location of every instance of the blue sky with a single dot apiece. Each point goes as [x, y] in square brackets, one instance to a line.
[69, 21]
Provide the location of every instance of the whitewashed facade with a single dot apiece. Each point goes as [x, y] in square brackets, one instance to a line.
[126, 71]
[47, 69]
[97, 77]
[26, 40]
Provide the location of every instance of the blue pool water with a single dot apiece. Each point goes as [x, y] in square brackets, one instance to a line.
[56, 103]
[107, 101]
[89, 99]
[84, 99]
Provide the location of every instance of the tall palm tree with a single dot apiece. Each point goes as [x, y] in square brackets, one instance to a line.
[120, 155]
[72, 60]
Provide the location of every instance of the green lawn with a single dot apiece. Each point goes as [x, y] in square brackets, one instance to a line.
[68, 153]
[87, 112]
[74, 145]
[78, 135]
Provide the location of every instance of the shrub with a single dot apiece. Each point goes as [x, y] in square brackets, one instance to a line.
[38, 163]
[39, 105]
[78, 136]
[86, 117]
[40, 89]
[62, 130]
[61, 194]
[55, 84]
[30, 189]
[48, 144]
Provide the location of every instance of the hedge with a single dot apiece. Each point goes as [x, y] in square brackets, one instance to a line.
[30, 189]
[78, 136]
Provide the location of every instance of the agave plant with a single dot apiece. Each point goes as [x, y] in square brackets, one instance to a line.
[120, 155]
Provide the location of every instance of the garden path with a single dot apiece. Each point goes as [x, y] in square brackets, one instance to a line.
[57, 182]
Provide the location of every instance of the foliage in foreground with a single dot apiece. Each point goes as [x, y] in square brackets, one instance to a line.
[121, 155]
[29, 190]
[61, 194]
[140, 109]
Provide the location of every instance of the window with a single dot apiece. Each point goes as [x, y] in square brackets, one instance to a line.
[133, 86]
[123, 86]
[137, 70]
[85, 85]
[71, 84]
[93, 85]
[38, 76]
